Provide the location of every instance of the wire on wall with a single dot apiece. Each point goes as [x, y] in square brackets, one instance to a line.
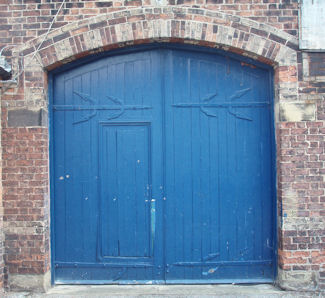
[15, 79]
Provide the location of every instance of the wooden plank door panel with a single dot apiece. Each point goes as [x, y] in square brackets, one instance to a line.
[162, 170]
[107, 123]
[218, 178]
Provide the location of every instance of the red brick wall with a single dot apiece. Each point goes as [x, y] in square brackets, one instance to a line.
[301, 147]
[25, 183]
[302, 245]
[300, 144]
[1, 221]
[21, 20]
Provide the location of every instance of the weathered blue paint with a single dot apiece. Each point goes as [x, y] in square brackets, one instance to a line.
[162, 170]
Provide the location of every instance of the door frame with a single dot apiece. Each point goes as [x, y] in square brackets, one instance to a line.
[143, 48]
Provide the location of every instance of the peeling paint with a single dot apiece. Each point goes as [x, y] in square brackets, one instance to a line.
[247, 64]
[210, 271]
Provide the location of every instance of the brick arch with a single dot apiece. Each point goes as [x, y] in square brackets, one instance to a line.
[135, 26]
[169, 24]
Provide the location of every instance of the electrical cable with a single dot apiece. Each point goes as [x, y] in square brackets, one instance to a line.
[5, 47]
[13, 80]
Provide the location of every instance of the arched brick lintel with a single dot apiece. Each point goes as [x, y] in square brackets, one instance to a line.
[171, 24]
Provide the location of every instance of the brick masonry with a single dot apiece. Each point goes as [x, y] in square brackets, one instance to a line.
[1, 223]
[265, 30]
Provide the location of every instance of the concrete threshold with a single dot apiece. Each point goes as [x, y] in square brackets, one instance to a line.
[261, 290]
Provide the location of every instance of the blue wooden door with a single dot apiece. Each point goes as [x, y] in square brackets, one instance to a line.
[162, 170]
[218, 214]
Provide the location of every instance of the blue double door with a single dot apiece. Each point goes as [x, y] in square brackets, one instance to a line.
[162, 170]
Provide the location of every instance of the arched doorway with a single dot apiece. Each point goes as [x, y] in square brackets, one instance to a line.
[162, 169]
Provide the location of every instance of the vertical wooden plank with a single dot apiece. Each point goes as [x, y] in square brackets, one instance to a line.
[182, 164]
[174, 216]
[142, 247]
[207, 88]
[59, 170]
[184, 159]
[73, 192]
[195, 168]
[155, 98]
[109, 194]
